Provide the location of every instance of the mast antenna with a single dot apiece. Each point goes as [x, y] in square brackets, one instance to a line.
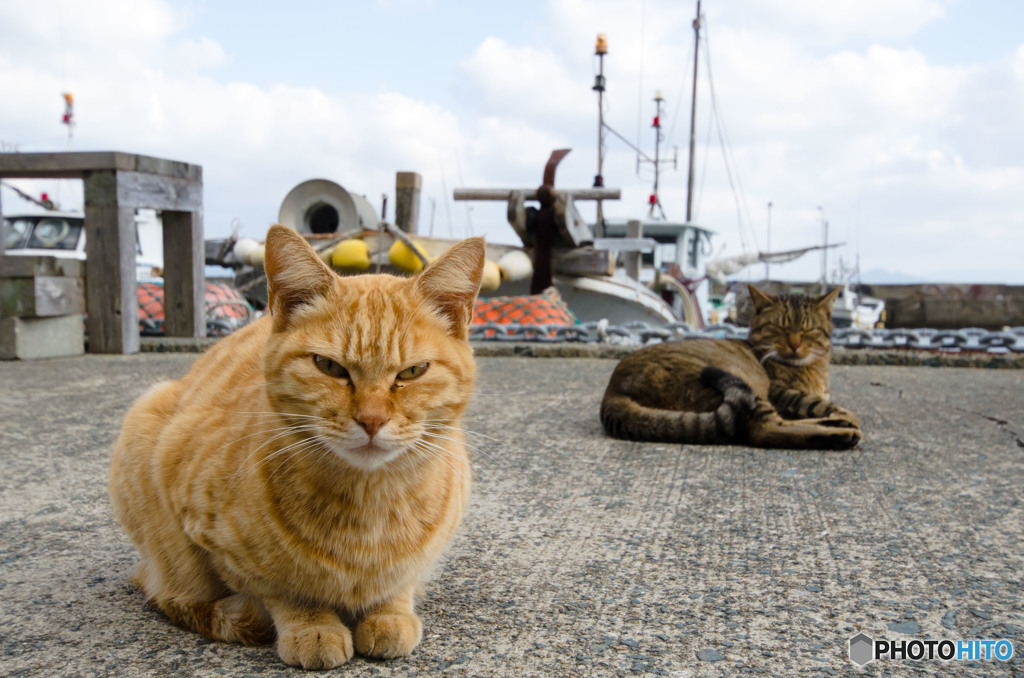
[600, 50]
[655, 199]
[693, 116]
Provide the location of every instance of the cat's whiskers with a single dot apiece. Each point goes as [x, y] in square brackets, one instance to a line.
[509, 394]
[286, 431]
[295, 449]
[438, 436]
[442, 423]
[437, 452]
[299, 453]
[268, 414]
[290, 427]
[430, 433]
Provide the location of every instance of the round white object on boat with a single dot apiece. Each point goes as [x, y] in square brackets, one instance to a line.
[515, 265]
[258, 255]
[243, 250]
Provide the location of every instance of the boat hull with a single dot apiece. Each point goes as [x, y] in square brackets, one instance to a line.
[619, 301]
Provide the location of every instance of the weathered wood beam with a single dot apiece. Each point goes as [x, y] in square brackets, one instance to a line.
[75, 165]
[41, 297]
[572, 230]
[531, 193]
[110, 297]
[151, 191]
[407, 201]
[184, 283]
[583, 261]
[27, 267]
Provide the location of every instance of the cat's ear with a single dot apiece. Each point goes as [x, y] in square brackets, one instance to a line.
[759, 299]
[452, 281]
[295, 274]
[825, 301]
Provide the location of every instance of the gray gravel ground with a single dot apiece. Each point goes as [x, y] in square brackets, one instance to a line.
[580, 555]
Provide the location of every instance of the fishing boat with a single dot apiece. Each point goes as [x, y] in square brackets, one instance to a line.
[649, 269]
[60, 234]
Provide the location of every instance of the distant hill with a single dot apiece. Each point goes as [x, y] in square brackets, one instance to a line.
[880, 276]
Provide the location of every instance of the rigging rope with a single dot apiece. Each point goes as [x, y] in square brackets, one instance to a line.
[679, 100]
[640, 80]
[738, 197]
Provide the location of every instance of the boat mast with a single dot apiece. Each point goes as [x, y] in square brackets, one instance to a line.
[655, 197]
[600, 50]
[693, 116]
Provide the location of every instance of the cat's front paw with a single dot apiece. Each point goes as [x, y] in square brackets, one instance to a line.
[841, 418]
[388, 635]
[317, 646]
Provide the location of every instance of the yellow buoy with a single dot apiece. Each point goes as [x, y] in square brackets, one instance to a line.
[403, 258]
[351, 254]
[492, 277]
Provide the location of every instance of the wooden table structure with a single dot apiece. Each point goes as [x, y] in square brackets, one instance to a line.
[116, 184]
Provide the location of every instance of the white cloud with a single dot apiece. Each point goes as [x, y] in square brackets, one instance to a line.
[837, 21]
[529, 80]
[74, 39]
[821, 109]
[196, 55]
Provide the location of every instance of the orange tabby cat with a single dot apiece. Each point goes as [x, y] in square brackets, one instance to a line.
[309, 470]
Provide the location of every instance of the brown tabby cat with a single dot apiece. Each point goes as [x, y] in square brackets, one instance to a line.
[310, 468]
[768, 391]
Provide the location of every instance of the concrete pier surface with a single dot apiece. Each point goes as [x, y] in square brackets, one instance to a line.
[579, 555]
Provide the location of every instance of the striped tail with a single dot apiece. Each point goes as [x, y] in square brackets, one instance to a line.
[623, 417]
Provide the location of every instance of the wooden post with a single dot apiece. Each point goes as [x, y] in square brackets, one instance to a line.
[407, 201]
[634, 229]
[111, 301]
[116, 184]
[184, 282]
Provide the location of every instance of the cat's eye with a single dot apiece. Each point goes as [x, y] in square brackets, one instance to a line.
[330, 367]
[413, 372]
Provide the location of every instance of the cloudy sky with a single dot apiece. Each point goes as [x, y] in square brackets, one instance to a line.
[902, 120]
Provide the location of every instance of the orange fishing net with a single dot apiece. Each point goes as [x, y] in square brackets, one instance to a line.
[222, 301]
[536, 309]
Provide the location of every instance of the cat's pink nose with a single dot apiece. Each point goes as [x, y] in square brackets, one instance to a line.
[794, 341]
[372, 422]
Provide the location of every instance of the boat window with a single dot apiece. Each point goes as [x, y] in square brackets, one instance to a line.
[693, 249]
[55, 234]
[667, 254]
[16, 233]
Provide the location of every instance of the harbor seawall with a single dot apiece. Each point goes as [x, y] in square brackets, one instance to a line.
[937, 305]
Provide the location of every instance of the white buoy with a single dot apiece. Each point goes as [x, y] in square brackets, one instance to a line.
[244, 249]
[515, 265]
